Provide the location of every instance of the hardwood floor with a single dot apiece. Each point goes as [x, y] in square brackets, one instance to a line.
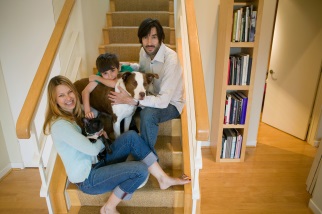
[19, 193]
[271, 180]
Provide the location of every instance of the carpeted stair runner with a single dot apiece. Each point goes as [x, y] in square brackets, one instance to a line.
[134, 210]
[120, 33]
[120, 37]
[149, 197]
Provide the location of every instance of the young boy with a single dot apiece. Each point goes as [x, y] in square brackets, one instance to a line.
[108, 68]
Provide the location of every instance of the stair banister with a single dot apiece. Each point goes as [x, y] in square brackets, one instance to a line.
[27, 123]
[195, 123]
[32, 100]
[201, 110]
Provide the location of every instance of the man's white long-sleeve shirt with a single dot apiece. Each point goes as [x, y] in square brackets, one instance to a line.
[169, 87]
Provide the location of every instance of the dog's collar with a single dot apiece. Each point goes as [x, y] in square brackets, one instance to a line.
[93, 136]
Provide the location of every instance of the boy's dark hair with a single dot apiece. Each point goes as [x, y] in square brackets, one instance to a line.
[107, 61]
[145, 28]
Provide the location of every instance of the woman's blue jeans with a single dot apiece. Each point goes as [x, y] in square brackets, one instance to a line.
[150, 119]
[115, 174]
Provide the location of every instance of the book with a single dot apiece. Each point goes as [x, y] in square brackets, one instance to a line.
[227, 109]
[244, 106]
[250, 60]
[238, 107]
[228, 143]
[239, 139]
[233, 109]
[247, 20]
[233, 143]
[233, 36]
[223, 148]
[252, 30]
[229, 71]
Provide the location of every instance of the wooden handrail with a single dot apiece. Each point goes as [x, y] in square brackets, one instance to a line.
[201, 109]
[31, 102]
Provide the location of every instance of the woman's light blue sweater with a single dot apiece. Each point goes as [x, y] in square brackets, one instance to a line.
[75, 150]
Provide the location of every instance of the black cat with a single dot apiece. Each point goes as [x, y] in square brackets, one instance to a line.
[92, 127]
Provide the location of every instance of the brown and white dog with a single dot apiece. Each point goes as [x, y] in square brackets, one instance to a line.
[135, 83]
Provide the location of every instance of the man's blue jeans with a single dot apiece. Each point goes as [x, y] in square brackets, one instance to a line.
[115, 174]
[150, 119]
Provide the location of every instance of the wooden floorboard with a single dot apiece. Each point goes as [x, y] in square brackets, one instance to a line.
[19, 193]
[271, 180]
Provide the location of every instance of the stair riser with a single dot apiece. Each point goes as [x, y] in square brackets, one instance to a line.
[128, 35]
[142, 5]
[135, 18]
[139, 199]
[125, 53]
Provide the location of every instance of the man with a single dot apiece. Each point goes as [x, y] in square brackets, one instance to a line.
[168, 102]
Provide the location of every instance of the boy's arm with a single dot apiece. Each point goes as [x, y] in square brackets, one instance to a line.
[108, 83]
[85, 97]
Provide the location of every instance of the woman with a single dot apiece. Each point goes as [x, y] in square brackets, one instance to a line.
[78, 153]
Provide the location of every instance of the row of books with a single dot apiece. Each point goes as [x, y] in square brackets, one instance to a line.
[235, 108]
[239, 69]
[244, 24]
[231, 144]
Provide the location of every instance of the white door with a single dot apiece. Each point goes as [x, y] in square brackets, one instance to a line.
[296, 58]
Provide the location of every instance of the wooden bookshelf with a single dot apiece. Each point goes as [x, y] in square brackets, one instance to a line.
[225, 48]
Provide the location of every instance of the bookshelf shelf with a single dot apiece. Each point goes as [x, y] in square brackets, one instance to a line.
[242, 44]
[234, 77]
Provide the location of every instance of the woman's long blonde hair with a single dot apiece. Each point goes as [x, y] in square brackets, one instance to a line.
[54, 111]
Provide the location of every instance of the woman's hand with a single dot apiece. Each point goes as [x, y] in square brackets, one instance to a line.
[104, 134]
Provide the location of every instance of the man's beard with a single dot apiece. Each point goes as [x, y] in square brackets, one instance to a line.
[152, 54]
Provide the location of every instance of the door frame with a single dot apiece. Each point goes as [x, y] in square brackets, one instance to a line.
[316, 114]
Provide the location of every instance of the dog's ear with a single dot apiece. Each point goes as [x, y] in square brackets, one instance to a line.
[85, 121]
[125, 75]
[151, 76]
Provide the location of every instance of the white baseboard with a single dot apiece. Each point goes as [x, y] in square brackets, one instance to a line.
[17, 166]
[10, 166]
[252, 143]
[5, 170]
[315, 209]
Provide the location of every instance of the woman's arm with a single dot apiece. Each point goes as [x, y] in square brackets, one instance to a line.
[63, 131]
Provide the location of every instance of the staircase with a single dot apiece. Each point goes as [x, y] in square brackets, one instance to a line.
[123, 20]
[120, 37]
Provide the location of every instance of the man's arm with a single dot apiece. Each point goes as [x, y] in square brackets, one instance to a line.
[85, 97]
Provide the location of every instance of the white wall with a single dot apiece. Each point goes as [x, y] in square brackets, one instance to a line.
[94, 20]
[315, 202]
[207, 12]
[8, 143]
[22, 44]
[25, 29]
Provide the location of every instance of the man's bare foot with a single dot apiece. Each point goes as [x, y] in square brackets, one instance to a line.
[166, 182]
[107, 210]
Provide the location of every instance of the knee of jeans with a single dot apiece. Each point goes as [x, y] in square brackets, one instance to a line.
[142, 169]
[147, 115]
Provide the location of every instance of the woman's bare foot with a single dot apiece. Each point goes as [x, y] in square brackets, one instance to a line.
[106, 210]
[166, 181]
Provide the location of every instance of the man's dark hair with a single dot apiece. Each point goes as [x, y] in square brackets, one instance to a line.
[107, 61]
[145, 28]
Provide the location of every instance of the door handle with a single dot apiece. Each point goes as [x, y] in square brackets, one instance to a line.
[272, 74]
